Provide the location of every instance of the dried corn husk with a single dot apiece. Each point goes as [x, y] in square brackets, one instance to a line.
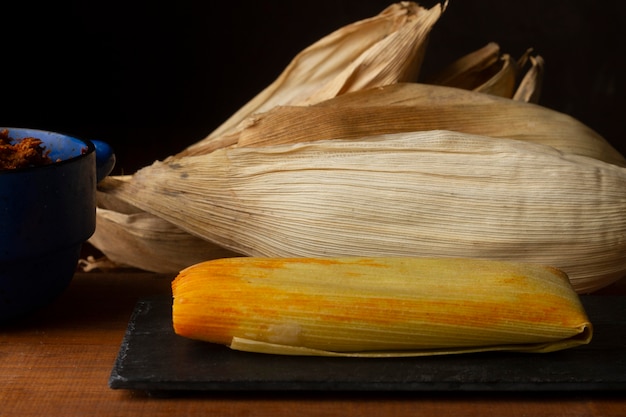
[469, 71]
[529, 88]
[378, 307]
[435, 194]
[314, 80]
[406, 107]
[380, 50]
[137, 240]
[483, 71]
[133, 238]
[486, 72]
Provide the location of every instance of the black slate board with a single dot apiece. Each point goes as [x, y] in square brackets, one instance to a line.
[153, 358]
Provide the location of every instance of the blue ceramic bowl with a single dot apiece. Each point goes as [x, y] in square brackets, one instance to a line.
[46, 214]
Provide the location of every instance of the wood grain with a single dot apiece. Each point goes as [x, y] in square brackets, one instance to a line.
[58, 361]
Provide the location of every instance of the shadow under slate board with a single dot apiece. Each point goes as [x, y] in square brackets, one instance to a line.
[153, 358]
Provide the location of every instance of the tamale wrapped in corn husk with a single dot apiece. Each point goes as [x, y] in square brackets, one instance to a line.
[378, 307]
[434, 194]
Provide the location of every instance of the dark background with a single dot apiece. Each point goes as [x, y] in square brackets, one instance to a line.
[153, 77]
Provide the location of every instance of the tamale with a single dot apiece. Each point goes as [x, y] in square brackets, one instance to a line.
[378, 307]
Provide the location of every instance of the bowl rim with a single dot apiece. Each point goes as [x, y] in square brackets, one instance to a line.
[90, 148]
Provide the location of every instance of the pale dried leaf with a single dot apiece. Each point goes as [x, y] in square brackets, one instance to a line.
[468, 72]
[380, 50]
[142, 240]
[529, 89]
[432, 193]
[409, 107]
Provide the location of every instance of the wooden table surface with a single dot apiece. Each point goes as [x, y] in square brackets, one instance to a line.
[58, 361]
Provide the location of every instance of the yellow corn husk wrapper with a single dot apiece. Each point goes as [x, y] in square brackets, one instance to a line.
[378, 307]
[433, 194]
[381, 50]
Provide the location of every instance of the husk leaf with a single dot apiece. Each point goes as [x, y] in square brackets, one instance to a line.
[130, 237]
[484, 70]
[380, 50]
[529, 89]
[323, 84]
[407, 107]
[435, 193]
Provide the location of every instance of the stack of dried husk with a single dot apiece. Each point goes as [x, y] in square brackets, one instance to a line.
[346, 154]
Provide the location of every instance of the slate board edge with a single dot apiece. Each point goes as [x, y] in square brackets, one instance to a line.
[155, 384]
